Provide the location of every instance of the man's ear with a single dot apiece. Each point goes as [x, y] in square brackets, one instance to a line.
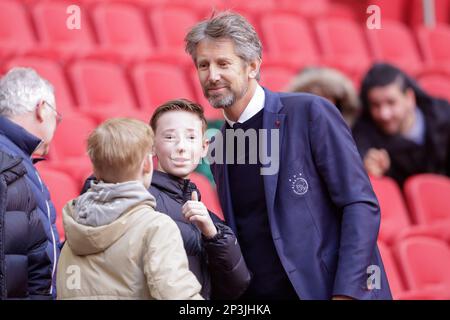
[40, 110]
[254, 68]
[411, 96]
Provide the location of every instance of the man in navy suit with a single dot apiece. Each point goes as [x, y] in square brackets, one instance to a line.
[291, 184]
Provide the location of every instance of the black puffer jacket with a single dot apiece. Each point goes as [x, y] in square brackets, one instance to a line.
[25, 268]
[217, 263]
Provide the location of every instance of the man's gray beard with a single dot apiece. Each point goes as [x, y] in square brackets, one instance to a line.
[226, 101]
[223, 102]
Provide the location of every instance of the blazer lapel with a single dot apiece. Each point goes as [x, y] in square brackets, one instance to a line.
[223, 187]
[272, 120]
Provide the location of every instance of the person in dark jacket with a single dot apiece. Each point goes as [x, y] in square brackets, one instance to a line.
[25, 268]
[28, 121]
[213, 251]
[403, 131]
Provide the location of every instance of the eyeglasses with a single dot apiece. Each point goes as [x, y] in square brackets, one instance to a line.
[59, 116]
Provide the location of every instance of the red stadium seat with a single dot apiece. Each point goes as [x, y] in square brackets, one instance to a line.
[51, 71]
[71, 136]
[202, 7]
[100, 86]
[306, 8]
[62, 189]
[170, 26]
[208, 192]
[425, 262]
[427, 196]
[434, 293]
[394, 215]
[439, 231]
[437, 84]
[276, 78]
[68, 149]
[16, 34]
[395, 281]
[343, 44]
[278, 29]
[344, 11]
[441, 10]
[435, 45]
[390, 10]
[250, 5]
[54, 35]
[156, 83]
[142, 3]
[394, 43]
[122, 29]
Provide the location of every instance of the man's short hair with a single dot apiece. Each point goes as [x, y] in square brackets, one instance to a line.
[381, 75]
[179, 105]
[21, 89]
[384, 74]
[226, 25]
[117, 148]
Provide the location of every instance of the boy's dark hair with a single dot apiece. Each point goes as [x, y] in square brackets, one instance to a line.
[384, 74]
[179, 105]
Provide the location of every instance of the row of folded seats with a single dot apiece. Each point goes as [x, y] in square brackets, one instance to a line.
[102, 89]
[406, 11]
[125, 32]
[414, 237]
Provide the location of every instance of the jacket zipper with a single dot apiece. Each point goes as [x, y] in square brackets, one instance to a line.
[52, 233]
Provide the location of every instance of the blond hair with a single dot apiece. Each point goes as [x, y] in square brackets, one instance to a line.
[117, 148]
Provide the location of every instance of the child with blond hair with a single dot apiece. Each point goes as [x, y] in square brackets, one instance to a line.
[118, 246]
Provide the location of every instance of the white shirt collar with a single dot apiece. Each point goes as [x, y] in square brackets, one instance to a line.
[255, 105]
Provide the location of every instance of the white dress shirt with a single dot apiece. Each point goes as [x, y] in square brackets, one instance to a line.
[255, 105]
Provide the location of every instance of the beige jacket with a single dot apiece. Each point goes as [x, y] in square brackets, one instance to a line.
[119, 247]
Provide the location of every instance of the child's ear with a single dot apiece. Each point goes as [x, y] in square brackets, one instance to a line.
[147, 169]
[148, 164]
[153, 155]
[205, 146]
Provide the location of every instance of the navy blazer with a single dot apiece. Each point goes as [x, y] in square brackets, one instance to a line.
[324, 216]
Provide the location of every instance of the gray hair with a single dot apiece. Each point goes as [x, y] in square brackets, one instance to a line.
[21, 89]
[226, 25]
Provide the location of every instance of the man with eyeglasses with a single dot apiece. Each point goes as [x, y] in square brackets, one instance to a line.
[28, 120]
